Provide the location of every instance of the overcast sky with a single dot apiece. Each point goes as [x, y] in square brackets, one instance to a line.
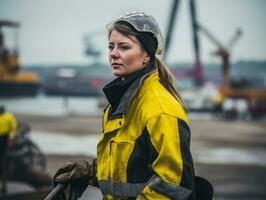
[52, 31]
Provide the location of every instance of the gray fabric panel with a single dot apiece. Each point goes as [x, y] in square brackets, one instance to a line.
[170, 190]
[121, 189]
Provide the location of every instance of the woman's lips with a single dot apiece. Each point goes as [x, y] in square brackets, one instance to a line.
[115, 65]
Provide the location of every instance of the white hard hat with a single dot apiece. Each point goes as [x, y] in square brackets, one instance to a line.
[142, 22]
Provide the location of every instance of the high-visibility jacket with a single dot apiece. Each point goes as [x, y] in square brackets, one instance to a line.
[144, 150]
[8, 125]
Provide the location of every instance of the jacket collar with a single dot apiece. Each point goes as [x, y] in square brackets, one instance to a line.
[121, 92]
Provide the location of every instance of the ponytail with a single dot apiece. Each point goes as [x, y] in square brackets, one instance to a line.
[166, 79]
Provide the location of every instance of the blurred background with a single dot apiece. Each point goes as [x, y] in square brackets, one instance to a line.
[53, 65]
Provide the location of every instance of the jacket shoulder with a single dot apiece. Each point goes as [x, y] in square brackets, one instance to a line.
[154, 100]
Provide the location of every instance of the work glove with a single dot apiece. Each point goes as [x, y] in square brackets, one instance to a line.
[79, 174]
[74, 170]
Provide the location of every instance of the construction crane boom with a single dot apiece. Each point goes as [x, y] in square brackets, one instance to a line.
[198, 72]
[210, 36]
[234, 39]
[170, 27]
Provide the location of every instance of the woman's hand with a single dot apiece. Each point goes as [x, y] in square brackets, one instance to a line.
[75, 170]
[79, 174]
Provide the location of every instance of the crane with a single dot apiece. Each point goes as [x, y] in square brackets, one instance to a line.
[236, 100]
[223, 50]
[197, 72]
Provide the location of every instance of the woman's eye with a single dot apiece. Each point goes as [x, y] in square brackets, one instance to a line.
[125, 47]
[110, 47]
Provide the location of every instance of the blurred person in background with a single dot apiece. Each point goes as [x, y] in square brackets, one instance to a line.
[21, 160]
[144, 150]
[8, 127]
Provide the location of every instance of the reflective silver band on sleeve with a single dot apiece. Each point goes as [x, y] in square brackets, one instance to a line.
[170, 190]
[120, 189]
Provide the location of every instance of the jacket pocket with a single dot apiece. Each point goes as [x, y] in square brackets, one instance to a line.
[120, 151]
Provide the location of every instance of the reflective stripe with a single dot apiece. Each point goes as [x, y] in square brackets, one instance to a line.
[120, 189]
[170, 190]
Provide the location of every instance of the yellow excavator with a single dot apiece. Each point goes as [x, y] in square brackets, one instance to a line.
[13, 82]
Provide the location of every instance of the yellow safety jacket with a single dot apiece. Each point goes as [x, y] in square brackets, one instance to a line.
[144, 150]
[8, 125]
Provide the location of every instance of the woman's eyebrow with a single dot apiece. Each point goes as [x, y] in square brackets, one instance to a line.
[120, 43]
[123, 43]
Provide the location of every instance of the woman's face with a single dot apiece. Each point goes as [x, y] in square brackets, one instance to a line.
[126, 54]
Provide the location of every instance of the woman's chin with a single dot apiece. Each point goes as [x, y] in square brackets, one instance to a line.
[117, 73]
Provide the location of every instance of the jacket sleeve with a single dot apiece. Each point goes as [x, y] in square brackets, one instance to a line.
[168, 140]
[12, 126]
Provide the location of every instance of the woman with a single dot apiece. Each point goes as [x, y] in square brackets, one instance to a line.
[144, 150]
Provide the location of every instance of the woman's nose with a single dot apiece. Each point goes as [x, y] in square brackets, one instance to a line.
[114, 53]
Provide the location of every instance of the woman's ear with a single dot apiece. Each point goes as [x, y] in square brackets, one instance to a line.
[146, 59]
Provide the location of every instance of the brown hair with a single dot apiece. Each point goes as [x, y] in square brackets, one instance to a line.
[124, 29]
[166, 77]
